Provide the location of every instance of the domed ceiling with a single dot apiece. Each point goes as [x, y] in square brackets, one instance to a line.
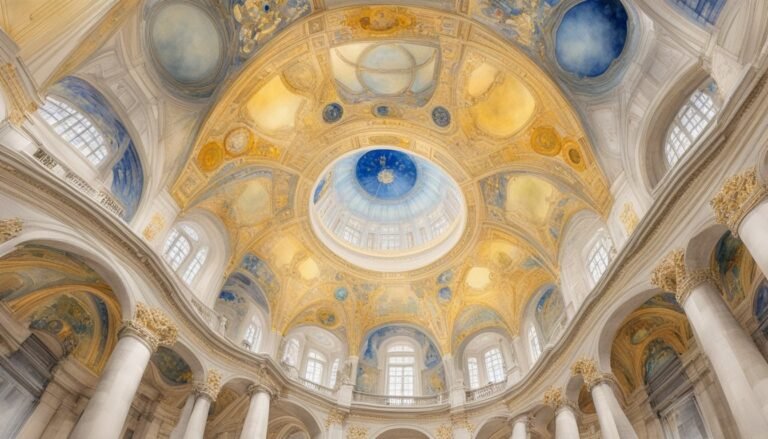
[353, 130]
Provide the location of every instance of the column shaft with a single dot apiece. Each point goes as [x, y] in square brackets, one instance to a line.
[186, 412]
[257, 419]
[196, 425]
[566, 426]
[753, 232]
[736, 361]
[520, 429]
[614, 424]
[108, 408]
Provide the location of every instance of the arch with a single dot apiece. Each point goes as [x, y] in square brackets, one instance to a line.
[127, 180]
[96, 259]
[546, 312]
[474, 319]
[407, 431]
[494, 427]
[371, 368]
[650, 143]
[698, 251]
[283, 407]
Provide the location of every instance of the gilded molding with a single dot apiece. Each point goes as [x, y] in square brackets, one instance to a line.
[444, 431]
[211, 386]
[10, 228]
[628, 218]
[737, 197]
[671, 275]
[20, 103]
[152, 325]
[460, 420]
[357, 432]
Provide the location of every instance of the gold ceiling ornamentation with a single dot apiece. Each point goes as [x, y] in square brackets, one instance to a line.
[461, 420]
[262, 193]
[380, 20]
[10, 228]
[153, 326]
[20, 103]
[628, 218]
[156, 224]
[737, 197]
[211, 386]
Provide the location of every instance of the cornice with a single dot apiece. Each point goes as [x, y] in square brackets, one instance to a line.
[31, 184]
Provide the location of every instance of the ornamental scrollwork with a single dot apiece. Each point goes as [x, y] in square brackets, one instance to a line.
[10, 228]
[153, 326]
[737, 197]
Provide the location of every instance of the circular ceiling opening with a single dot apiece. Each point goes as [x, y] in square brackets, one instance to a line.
[388, 210]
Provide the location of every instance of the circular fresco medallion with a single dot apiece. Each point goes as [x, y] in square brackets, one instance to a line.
[238, 141]
[545, 141]
[332, 112]
[210, 156]
[572, 155]
[441, 117]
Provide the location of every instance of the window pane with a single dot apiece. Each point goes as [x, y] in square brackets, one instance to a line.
[494, 366]
[74, 128]
[691, 121]
[473, 372]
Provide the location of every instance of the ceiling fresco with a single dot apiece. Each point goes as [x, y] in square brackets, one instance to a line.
[650, 337]
[416, 85]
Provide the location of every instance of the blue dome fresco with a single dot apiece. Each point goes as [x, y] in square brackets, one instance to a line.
[386, 174]
[386, 209]
[591, 36]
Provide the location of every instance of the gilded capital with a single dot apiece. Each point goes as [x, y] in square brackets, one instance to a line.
[335, 417]
[152, 325]
[587, 368]
[10, 228]
[738, 196]
[554, 397]
[671, 275]
[211, 386]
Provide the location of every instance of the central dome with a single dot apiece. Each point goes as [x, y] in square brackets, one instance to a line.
[387, 210]
[386, 174]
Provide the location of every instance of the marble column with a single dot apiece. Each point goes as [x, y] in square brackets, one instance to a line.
[521, 427]
[614, 423]
[108, 408]
[737, 363]
[742, 206]
[335, 424]
[566, 426]
[205, 394]
[186, 412]
[257, 418]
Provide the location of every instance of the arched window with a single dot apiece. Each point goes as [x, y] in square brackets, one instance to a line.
[194, 267]
[184, 240]
[703, 11]
[494, 365]
[599, 256]
[473, 372]
[252, 336]
[690, 122]
[334, 373]
[401, 370]
[533, 342]
[291, 352]
[75, 128]
[315, 367]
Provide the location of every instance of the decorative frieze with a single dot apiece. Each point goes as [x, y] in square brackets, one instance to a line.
[460, 420]
[151, 325]
[10, 228]
[671, 275]
[738, 196]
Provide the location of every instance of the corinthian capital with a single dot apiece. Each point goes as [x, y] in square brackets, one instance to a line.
[151, 325]
[587, 368]
[211, 386]
[737, 198]
[671, 275]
